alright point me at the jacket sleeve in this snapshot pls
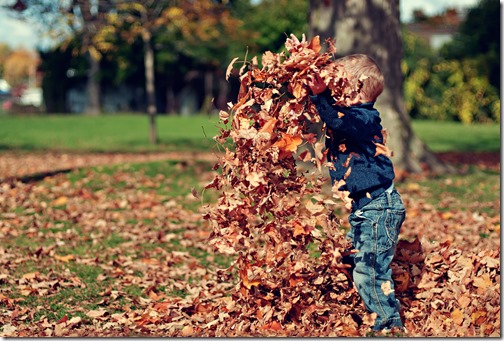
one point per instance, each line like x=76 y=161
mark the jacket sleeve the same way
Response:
x=352 y=123
x=327 y=112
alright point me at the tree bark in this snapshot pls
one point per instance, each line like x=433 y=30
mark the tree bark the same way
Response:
x=93 y=87
x=372 y=27
x=170 y=99
x=149 y=85
x=208 y=99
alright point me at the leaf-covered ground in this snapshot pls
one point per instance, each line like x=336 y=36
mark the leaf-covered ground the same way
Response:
x=122 y=251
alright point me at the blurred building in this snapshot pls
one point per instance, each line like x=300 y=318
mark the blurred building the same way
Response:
x=436 y=30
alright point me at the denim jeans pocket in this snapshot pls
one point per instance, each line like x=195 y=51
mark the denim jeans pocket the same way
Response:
x=389 y=235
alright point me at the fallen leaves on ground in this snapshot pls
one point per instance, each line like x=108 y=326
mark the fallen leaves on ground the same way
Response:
x=127 y=251
x=139 y=264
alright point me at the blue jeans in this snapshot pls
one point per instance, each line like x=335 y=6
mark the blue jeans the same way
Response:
x=374 y=232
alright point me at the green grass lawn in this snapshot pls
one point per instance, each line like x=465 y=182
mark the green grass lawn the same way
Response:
x=122 y=133
x=130 y=133
x=454 y=136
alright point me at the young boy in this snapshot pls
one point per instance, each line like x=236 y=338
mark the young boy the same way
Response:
x=360 y=167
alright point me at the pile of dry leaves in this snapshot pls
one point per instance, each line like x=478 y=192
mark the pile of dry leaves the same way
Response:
x=269 y=213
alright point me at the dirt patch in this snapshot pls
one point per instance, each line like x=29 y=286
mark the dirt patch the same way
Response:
x=482 y=159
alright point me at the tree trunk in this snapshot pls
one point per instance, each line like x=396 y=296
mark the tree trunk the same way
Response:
x=222 y=97
x=149 y=85
x=93 y=86
x=208 y=101
x=170 y=99
x=372 y=27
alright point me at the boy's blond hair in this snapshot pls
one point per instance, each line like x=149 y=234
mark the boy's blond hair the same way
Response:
x=364 y=68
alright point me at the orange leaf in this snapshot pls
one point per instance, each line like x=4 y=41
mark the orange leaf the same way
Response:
x=288 y=143
x=315 y=44
x=464 y=301
x=187 y=331
x=299 y=90
x=245 y=280
x=269 y=126
x=272 y=326
x=457 y=316
x=478 y=316
x=60 y=201
x=65 y=259
x=299 y=228
x=293 y=280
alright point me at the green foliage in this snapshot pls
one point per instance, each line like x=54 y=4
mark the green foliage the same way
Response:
x=446 y=89
x=478 y=38
x=5 y=51
x=274 y=20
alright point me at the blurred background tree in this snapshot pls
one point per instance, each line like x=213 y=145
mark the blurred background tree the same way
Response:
x=19 y=67
x=5 y=51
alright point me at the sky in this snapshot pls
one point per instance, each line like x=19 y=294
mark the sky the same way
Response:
x=19 y=34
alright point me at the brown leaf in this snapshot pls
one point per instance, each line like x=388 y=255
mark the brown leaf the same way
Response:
x=97 y=313
x=483 y=282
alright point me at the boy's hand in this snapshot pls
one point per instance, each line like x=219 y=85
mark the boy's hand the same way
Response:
x=316 y=84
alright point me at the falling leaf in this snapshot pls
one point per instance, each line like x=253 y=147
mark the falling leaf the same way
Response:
x=288 y=143
x=381 y=149
x=230 y=68
x=269 y=126
x=194 y=193
x=255 y=179
x=224 y=116
x=386 y=288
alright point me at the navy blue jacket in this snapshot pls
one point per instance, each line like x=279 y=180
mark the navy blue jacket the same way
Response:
x=350 y=134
